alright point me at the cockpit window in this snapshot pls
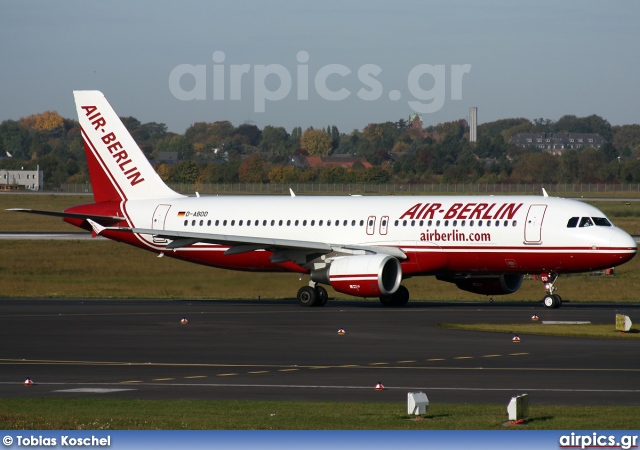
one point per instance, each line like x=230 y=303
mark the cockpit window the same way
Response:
x=573 y=222
x=586 y=222
x=601 y=221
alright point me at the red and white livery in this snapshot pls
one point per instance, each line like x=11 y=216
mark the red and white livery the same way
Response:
x=360 y=245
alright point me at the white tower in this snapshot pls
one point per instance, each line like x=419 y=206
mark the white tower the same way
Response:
x=473 y=124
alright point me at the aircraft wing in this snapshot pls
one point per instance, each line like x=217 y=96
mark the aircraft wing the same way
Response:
x=106 y=220
x=283 y=249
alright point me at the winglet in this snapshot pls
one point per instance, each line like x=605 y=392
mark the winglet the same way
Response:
x=292 y=194
x=544 y=193
x=97 y=228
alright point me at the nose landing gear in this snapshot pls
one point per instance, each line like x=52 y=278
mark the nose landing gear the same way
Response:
x=550 y=300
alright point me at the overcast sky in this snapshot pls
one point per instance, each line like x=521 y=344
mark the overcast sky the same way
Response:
x=310 y=63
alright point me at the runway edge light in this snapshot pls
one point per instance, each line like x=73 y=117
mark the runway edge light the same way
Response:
x=341 y=331
x=28 y=382
x=379 y=386
x=534 y=317
x=184 y=321
x=417 y=403
x=516 y=338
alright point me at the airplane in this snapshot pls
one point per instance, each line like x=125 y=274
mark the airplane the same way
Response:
x=363 y=246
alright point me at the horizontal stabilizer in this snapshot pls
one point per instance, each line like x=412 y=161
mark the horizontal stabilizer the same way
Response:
x=104 y=220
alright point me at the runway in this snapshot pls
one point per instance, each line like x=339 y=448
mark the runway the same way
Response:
x=277 y=350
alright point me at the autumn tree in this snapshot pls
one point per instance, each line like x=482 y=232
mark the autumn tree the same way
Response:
x=316 y=142
x=252 y=170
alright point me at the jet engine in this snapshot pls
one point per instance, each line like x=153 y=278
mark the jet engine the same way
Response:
x=362 y=276
x=506 y=283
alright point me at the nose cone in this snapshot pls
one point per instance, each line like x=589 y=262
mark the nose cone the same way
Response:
x=624 y=245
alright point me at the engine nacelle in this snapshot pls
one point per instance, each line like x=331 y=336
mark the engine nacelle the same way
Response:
x=362 y=276
x=506 y=283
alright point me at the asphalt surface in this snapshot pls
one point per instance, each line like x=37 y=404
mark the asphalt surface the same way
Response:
x=277 y=350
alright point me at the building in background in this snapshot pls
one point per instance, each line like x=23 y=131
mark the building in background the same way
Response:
x=555 y=143
x=20 y=180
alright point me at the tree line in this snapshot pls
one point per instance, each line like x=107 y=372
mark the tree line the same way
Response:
x=401 y=151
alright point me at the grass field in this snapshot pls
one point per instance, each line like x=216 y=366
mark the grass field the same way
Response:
x=112 y=414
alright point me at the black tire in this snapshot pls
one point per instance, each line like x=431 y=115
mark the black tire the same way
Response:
x=558 y=300
x=398 y=298
x=321 y=295
x=401 y=296
x=307 y=296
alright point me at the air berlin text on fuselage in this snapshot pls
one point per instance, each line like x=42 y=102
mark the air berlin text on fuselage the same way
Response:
x=114 y=146
x=463 y=211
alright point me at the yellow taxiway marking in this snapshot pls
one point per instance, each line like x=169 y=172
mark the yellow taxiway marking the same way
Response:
x=436 y=359
x=322 y=367
x=346 y=366
x=517 y=354
x=197 y=376
x=163 y=379
x=260 y=371
x=490 y=356
x=226 y=374
x=378 y=364
x=463 y=357
x=407 y=361
x=287 y=370
x=133 y=381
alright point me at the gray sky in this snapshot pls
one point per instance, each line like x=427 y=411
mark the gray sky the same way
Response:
x=510 y=59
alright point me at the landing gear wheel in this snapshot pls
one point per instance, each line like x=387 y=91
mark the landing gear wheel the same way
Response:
x=558 y=300
x=321 y=296
x=550 y=301
x=307 y=296
x=401 y=296
x=398 y=298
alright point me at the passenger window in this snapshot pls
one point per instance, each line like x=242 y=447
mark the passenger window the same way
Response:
x=471 y=223
x=264 y=223
x=257 y=223
x=233 y=222
x=186 y=222
x=328 y=223
x=353 y=223
x=208 y=223
x=313 y=222
x=344 y=223
x=217 y=222
x=201 y=222
x=280 y=222
x=515 y=222
x=395 y=223
x=296 y=223
x=429 y=223
x=304 y=223
x=446 y=223
x=320 y=223
x=455 y=223
x=479 y=223
x=437 y=223
x=585 y=222
x=288 y=222
x=422 y=223
x=404 y=223
x=273 y=222
x=362 y=223
x=224 y=223
x=573 y=222
x=337 y=223
x=463 y=223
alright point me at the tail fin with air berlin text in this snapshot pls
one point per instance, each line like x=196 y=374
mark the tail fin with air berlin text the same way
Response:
x=118 y=169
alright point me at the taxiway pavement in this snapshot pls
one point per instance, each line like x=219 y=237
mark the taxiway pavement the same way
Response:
x=277 y=350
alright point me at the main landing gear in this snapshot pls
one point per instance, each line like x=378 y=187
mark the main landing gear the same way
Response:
x=312 y=295
x=550 y=300
x=398 y=298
